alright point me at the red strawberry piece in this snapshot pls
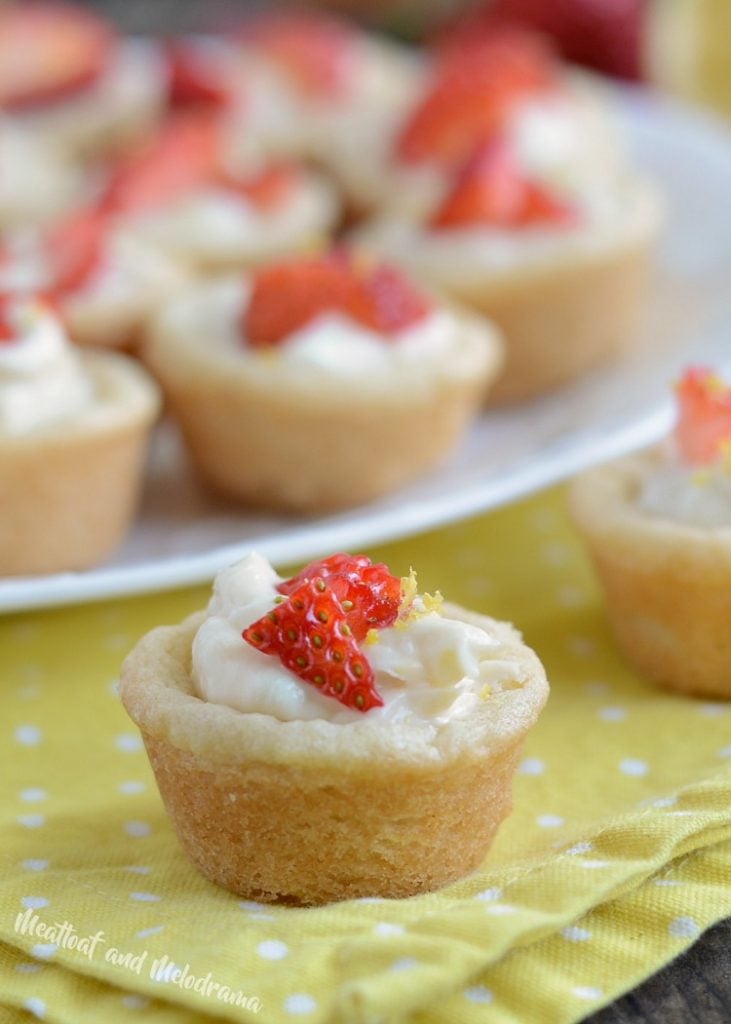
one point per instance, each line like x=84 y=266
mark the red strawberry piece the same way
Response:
x=369 y=595
x=316 y=52
x=49 y=52
x=396 y=303
x=476 y=88
x=607 y=35
x=490 y=189
x=7 y=331
x=266 y=190
x=311 y=637
x=195 y=77
x=74 y=248
x=183 y=156
x=288 y=296
x=704 y=416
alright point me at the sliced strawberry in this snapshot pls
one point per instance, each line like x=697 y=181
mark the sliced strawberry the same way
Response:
x=266 y=190
x=288 y=296
x=7 y=330
x=183 y=156
x=316 y=52
x=475 y=91
x=49 y=52
x=311 y=637
x=195 y=78
x=74 y=249
x=704 y=416
x=490 y=189
x=396 y=303
x=369 y=595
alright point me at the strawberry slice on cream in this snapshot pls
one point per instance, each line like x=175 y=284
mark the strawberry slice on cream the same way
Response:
x=703 y=428
x=50 y=52
x=491 y=189
x=287 y=296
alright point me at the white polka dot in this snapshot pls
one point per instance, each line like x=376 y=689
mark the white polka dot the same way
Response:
x=725 y=752
x=479 y=587
x=131 y=786
x=113 y=687
x=138 y=869
x=573 y=933
x=554 y=552
x=28 y=735
x=532 y=766
x=406 y=963
x=633 y=766
x=117 y=642
x=597 y=688
x=129 y=742
x=580 y=646
x=35 y=1006
x=272 y=949
x=712 y=710
x=33 y=795
x=549 y=820
x=44 y=950
x=299 y=1003
x=29 y=691
x=250 y=905
x=135 y=1002
x=683 y=928
x=145 y=933
x=489 y=894
x=34 y=902
x=478 y=994
x=570 y=596
x=28 y=968
x=35 y=864
x=666 y=881
x=144 y=897
x=499 y=909
x=587 y=992
x=612 y=714
x=386 y=928
x=259 y=916
x=137 y=829
x=577 y=848
x=664 y=801
x=31 y=820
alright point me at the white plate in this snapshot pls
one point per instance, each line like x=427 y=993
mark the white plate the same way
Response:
x=183 y=536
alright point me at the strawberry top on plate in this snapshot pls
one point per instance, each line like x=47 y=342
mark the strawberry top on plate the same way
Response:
x=703 y=428
x=318 y=623
x=287 y=296
x=315 y=52
x=473 y=93
x=50 y=52
x=490 y=189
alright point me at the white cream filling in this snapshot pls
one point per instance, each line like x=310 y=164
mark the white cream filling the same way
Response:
x=218 y=223
x=431 y=669
x=41 y=376
x=36 y=182
x=332 y=344
x=696 y=496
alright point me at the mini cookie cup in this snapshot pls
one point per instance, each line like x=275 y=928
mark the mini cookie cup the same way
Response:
x=279 y=435
x=70 y=488
x=309 y=812
x=667 y=585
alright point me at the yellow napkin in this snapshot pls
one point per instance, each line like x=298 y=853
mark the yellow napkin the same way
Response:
x=617 y=855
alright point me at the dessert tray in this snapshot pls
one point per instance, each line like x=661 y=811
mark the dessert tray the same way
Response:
x=183 y=536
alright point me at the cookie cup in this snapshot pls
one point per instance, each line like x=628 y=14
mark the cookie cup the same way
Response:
x=563 y=307
x=667 y=585
x=310 y=811
x=70 y=489
x=271 y=432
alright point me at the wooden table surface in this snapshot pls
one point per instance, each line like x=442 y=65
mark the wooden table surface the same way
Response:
x=695 y=988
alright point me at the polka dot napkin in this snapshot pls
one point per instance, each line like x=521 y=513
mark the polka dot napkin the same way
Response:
x=617 y=855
